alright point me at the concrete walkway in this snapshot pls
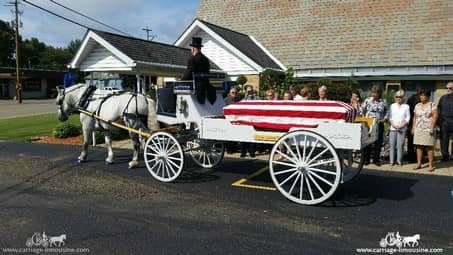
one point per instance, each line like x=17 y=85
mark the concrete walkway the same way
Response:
x=12 y=109
x=442 y=168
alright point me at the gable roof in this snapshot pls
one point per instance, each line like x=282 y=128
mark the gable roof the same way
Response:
x=246 y=47
x=245 y=44
x=159 y=57
x=147 y=51
x=338 y=34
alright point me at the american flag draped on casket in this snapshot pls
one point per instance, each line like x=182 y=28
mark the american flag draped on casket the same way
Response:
x=284 y=115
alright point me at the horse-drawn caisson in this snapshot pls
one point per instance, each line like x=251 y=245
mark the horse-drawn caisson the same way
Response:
x=316 y=145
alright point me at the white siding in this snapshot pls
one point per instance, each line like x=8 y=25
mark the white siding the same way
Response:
x=221 y=56
x=99 y=57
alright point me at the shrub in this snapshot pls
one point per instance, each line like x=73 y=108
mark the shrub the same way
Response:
x=65 y=130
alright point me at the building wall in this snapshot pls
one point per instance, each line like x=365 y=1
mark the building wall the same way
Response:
x=100 y=58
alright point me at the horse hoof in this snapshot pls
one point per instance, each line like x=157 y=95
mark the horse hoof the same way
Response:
x=108 y=162
x=80 y=161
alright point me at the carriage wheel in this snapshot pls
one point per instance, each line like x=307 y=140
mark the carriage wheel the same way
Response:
x=353 y=162
x=164 y=157
x=305 y=167
x=206 y=154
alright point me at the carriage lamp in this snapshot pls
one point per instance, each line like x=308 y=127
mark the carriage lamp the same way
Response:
x=182 y=106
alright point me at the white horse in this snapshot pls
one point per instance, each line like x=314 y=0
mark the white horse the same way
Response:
x=57 y=239
x=412 y=241
x=124 y=108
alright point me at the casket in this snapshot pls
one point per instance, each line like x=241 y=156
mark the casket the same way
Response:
x=284 y=115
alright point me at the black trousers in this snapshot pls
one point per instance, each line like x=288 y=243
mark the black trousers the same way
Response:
x=411 y=152
x=446 y=132
x=375 y=148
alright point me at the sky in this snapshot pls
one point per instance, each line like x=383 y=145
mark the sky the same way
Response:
x=167 y=18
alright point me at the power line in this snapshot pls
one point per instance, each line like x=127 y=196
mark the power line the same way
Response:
x=147 y=33
x=55 y=14
x=88 y=17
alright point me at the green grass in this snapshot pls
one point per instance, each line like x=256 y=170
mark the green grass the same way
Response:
x=24 y=128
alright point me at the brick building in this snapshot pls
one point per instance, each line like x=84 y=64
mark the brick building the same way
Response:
x=402 y=42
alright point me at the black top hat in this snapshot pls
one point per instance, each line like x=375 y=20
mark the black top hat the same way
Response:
x=196 y=42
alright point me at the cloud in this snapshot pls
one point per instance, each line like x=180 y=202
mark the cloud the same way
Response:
x=167 y=19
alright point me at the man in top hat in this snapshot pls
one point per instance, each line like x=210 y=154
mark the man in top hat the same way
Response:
x=199 y=63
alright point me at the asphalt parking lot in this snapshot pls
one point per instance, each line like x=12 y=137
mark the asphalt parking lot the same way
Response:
x=111 y=210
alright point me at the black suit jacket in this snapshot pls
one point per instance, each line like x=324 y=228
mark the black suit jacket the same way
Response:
x=200 y=64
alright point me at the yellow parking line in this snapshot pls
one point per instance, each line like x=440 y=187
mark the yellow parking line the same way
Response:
x=240 y=183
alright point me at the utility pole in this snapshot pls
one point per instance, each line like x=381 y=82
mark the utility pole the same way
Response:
x=147 y=33
x=18 y=84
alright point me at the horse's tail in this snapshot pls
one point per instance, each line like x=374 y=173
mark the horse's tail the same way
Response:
x=152 y=124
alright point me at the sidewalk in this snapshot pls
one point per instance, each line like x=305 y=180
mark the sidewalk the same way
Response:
x=11 y=109
x=442 y=168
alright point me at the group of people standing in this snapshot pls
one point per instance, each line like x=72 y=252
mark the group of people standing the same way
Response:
x=416 y=120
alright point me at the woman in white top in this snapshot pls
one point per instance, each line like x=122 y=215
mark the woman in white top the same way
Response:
x=399 y=117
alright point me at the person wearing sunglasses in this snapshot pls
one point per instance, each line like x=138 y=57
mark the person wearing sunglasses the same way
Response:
x=445 y=108
x=232 y=96
x=399 y=117
x=425 y=118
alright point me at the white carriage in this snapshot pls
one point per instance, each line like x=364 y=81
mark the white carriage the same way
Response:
x=306 y=165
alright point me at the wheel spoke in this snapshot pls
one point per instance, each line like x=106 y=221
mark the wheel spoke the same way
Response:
x=309 y=188
x=323 y=163
x=311 y=151
x=158 y=168
x=207 y=157
x=173 y=153
x=301 y=193
x=157 y=146
x=285 y=171
x=153 y=148
x=317 y=156
x=284 y=163
x=287 y=179
x=151 y=160
x=152 y=154
x=321 y=171
x=294 y=183
x=173 y=163
x=166 y=170
x=321 y=178
x=316 y=184
x=171 y=168
x=179 y=159
x=305 y=148
x=285 y=156
x=154 y=166
x=297 y=149
x=289 y=149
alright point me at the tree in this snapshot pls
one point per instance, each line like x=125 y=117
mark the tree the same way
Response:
x=6 y=44
x=74 y=46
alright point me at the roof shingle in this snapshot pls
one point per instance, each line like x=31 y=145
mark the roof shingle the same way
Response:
x=348 y=33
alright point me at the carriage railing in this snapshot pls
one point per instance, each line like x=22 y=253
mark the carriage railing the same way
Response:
x=188 y=86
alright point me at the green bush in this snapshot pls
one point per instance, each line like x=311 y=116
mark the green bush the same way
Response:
x=116 y=134
x=66 y=129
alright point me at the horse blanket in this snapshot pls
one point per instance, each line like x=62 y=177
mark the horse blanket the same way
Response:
x=284 y=115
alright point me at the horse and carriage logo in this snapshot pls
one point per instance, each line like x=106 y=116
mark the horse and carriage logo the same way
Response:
x=394 y=239
x=41 y=239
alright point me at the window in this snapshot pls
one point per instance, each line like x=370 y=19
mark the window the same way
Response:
x=32 y=85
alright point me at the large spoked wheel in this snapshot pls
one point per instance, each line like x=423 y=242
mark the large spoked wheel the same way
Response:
x=353 y=162
x=207 y=154
x=305 y=167
x=164 y=156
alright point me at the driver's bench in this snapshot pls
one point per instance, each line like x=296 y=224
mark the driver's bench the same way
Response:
x=186 y=109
